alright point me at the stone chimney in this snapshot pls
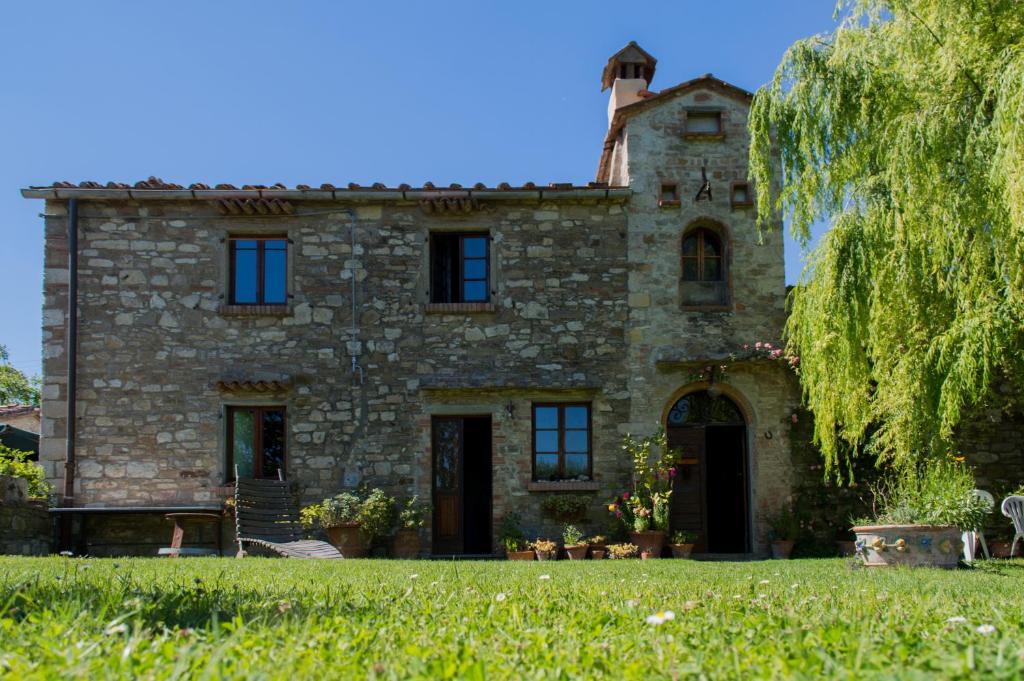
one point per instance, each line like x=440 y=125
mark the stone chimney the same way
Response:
x=628 y=72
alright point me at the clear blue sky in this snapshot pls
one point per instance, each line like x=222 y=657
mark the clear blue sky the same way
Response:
x=313 y=92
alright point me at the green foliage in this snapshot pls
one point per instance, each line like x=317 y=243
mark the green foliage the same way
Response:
x=934 y=492
x=15 y=387
x=16 y=463
x=618 y=551
x=783 y=523
x=565 y=506
x=572 y=536
x=413 y=514
x=903 y=128
x=511 y=534
x=341 y=509
x=653 y=472
x=269 y=618
x=544 y=546
x=683 y=537
x=376 y=514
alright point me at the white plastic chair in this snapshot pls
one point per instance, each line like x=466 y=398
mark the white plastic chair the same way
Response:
x=1013 y=508
x=974 y=535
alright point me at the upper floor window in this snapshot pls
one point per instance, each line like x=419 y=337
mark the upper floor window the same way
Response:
x=561 y=441
x=259 y=270
x=702 y=256
x=706 y=123
x=459 y=268
x=256 y=442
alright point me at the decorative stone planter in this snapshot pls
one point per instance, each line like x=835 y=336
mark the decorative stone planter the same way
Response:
x=406 y=544
x=681 y=550
x=910 y=545
x=520 y=555
x=576 y=552
x=781 y=548
x=651 y=540
x=348 y=539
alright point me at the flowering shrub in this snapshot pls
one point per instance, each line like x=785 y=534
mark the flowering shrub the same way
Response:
x=749 y=351
x=544 y=546
x=648 y=504
x=413 y=515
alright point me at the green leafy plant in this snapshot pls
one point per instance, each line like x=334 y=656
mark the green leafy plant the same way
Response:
x=597 y=540
x=572 y=536
x=622 y=550
x=341 y=509
x=783 y=523
x=647 y=504
x=565 y=507
x=933 y=492
x=16 y=463
x=376 y=514
x=15 y=387
x=511 y=534
x=683 y=537
x=413 y=514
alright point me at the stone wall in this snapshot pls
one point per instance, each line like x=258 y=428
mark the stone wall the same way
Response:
x=25 y=525
x=670 y=338
x=155 y=338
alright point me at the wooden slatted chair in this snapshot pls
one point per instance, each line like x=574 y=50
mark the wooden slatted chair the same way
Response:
x=265 y=515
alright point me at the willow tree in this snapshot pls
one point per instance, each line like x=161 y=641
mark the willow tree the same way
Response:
x=904 y=130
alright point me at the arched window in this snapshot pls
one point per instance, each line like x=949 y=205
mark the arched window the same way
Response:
x=702 y=256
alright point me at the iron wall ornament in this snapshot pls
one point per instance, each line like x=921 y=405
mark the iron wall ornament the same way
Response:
x=705 y=187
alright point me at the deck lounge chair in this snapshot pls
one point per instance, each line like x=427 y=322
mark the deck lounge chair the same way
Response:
x=1013 y=508
x=265 y=515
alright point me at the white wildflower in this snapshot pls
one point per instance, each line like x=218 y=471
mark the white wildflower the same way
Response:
x=413 y=576
x=985 y=629
x=544 y=577
x=660 y=617
x=956 y=619
x=500 y=597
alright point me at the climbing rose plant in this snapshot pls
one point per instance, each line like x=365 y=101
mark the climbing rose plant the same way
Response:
x=903 y=129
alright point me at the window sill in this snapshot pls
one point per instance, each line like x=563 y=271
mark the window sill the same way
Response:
x=665 y=203
x=704 y=136
x=741 y=205
x=563 y=486
x=255 y=310
x=706 y=308
x=460 y=308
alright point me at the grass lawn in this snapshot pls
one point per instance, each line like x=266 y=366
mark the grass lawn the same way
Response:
x=278 y=618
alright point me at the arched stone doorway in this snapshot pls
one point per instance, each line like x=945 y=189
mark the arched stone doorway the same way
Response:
x=711 y=493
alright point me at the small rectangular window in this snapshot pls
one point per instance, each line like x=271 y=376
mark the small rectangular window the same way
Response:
x=459 y=268
x=561 y=441
x=703 y=122
x=669 y=193
x=255 y=442
x=258 y=270
x=741 y=195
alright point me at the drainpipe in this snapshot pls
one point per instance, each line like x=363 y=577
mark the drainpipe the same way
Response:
x=353 y=339
x=72 y=350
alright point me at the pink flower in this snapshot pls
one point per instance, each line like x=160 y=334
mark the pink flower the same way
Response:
x=618 y=514
x=672 y=472
x=746 y=346
x=757 y=345
x=625 y=495
x=794 y=418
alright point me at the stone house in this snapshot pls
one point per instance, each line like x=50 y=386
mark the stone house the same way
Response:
x=483 y=348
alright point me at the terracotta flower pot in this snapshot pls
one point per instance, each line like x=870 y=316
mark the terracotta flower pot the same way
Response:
x=598 y=553
x=576 y=551
x=651 y=540
x=646 y=554
x=846 y=547
x=348 y=539
x=520 y=555
x=681 y=550
x=911 y=545
x=781 y=548
x=405 y=544
x=545 y=555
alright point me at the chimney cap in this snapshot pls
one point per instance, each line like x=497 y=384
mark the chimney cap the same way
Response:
x=630 y=54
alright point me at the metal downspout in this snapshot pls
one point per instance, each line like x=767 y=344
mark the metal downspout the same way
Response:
x=72 y=350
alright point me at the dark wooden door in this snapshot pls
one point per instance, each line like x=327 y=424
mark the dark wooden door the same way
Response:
x=687 y=512
x=447 y=482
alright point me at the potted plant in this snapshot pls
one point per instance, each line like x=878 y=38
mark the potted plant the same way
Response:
x=339 y=518
x=920 y=512
x=645 y=509
x=597 y=547
x=376 y=515
x=566 y=508
x=783 y=527
x=681 y=543
x=412 y=517
x=575 y=547
x=620 y=551
x=545 y=549
x=512 y=539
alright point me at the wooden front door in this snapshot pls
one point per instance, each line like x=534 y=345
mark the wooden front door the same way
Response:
x=462 y=485
x=710 y=493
